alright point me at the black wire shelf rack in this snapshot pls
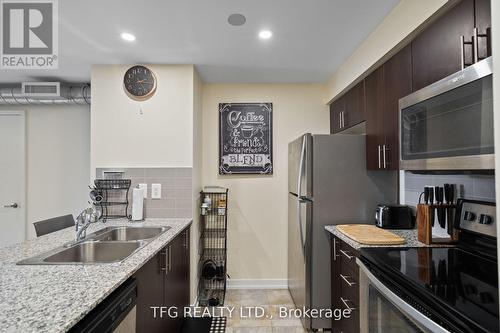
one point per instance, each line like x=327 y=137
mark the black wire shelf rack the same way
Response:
x=212 y=267
x=115 y=203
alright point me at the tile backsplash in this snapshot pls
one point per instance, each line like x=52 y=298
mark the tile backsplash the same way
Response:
x=176 y=189
x=479 y=187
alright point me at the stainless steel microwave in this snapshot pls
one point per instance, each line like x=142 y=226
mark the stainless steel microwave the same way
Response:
x=448 y=125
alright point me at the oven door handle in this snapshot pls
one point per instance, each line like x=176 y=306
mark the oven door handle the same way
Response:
x=404 y=307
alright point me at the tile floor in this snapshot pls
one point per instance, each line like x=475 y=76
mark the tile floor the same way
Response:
x=270 y=301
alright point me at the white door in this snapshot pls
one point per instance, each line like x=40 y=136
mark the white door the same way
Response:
x=12 y=177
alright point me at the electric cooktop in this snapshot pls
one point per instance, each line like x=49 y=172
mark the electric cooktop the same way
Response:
x=455 y=286
x=464 y=282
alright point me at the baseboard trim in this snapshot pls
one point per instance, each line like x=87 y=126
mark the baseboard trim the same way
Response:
x=257 y=284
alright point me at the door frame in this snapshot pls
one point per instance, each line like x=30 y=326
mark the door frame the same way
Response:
x=23 y=195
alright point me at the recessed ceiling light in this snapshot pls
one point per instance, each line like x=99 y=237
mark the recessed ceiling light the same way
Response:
x=236 y=19
x=265 y=34
x=127 y=36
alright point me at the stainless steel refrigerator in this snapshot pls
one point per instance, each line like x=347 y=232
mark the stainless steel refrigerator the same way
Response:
x=327 y=184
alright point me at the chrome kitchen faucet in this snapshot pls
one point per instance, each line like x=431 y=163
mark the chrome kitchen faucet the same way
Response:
x=85 y=218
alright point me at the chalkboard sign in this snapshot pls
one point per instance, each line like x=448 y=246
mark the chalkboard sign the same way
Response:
x=245 y=138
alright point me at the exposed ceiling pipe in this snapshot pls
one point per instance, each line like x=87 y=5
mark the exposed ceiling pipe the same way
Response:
x=70 y=95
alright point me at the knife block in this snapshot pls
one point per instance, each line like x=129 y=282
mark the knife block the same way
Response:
x=425 y=215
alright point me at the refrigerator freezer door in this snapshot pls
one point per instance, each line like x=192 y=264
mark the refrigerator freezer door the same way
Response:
x=299 y=166
x=294 y=155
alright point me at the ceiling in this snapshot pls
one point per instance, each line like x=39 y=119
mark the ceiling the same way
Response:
x=311 y=38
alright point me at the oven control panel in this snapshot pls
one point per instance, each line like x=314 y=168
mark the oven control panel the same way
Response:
x=478 y=216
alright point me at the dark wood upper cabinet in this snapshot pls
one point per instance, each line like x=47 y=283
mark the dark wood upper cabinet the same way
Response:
x=337 y=110
x=355 y=105
x=374 y=99
x=397 y=83
x=483 y=25
x=384 y=87
x=434 y=54
x=349 y=109
x=437 y=50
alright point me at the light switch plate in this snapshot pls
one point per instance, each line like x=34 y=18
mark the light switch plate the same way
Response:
x=155 y=191
x=144 y=188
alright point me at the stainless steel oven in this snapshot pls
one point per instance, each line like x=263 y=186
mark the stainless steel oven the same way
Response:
x=431 y=289
x=448 y=125
x=384 y=311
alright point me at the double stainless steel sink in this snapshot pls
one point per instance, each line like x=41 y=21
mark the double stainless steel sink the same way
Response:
x=108 y=245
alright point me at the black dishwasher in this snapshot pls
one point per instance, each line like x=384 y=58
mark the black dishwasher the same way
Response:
x=110 y=313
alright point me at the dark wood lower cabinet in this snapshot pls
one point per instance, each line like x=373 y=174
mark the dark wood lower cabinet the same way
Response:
x=149 y=293
x=176 y=290
x=345 y=285
x=164 y=282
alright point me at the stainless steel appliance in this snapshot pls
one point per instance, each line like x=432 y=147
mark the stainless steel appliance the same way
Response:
x=448 y=125
x=116 y=314
x=394 y=217
x=435 y=289
x=328 y=184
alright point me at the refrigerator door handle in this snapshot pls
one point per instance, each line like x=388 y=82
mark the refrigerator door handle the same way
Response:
x=301 y=167
x=299 y=214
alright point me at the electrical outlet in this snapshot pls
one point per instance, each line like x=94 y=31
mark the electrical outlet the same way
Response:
x=144 y=188
x=155 y=191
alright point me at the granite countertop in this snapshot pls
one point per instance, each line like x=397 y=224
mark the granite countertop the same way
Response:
x=53 y=298
x=411 y=236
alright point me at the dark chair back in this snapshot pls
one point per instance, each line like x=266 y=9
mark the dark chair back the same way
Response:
x=54 y=224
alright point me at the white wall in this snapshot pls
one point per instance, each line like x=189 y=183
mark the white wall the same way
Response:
x=257 y=211
x=400 y=26
x=58 y=159
x=164 y=131
x=161 y=136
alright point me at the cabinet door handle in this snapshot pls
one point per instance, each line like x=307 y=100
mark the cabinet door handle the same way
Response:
x=475 y=47
x=379 y=159
x=335 y=255
x=166 y=263
x=340 y=119
x=343 y=119
x=346 y=254
x=169 y=258
x=186 y=239
x=347 y=305
x=384 y=149
x=344 y=277
x=462 y=51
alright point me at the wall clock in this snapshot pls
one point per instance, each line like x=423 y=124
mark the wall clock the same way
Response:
x=139 y=83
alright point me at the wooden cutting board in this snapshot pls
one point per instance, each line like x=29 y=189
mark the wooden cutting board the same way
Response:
x=370 y=234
